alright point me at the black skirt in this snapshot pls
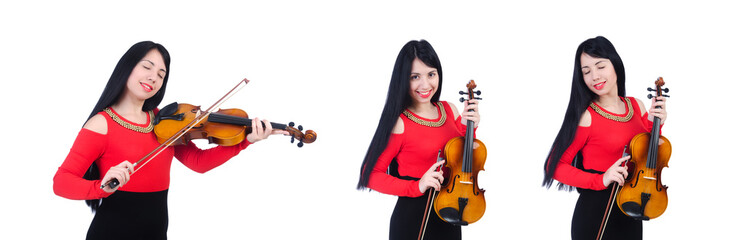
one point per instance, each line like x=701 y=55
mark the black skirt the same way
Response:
x=589 y=211
x=408 y=216
x=131 y=215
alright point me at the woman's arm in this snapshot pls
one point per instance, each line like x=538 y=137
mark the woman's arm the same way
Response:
x=68 y=181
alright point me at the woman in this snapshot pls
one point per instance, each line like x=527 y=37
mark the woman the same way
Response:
x=119 y=130
x=413 y=127
x=587 y=152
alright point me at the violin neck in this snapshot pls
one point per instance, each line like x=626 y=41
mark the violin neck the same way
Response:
x=468 y=148
x=653 y=145
x=227 y=119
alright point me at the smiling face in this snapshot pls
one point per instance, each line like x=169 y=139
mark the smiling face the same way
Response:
x=423 y=82
x=147 y=76
x=599 y=75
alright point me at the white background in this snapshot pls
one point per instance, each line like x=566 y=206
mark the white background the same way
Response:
x=327 y=65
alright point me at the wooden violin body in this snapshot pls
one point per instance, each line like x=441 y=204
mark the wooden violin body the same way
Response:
x=643 y=196
x=645 y=181
x=460 y=200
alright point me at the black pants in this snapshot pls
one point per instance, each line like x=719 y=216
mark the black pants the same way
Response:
x=131 y=215
x=589 y=211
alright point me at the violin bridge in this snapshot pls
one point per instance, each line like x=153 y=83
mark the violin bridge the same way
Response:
x=466 y=182
x=649 y=178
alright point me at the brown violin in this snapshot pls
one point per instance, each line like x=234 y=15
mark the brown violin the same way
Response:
x=460 y=200
x=226 y=127
x=643 y=196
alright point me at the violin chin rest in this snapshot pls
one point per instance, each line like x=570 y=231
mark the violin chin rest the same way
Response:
x=634 y=210
x=451 y=215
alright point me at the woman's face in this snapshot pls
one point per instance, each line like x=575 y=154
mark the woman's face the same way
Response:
x=147 y=76
x=599 y=75
x=423 y=82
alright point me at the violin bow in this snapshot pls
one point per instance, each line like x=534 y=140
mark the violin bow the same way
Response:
x=428 y=205
x=609 y=208
x=114 y=182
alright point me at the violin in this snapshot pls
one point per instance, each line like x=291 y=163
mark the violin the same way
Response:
x=643 y=196
x=226 y=127
x=461 y=201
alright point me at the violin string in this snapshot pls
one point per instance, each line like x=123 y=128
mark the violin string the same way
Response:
x=187 y=128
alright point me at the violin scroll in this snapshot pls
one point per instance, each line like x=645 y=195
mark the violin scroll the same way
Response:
x=659 y=91
x=471 y=85
x=304 y=137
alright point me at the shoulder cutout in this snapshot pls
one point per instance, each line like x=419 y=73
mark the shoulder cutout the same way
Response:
x=640 y=104
x=97 y=124
x=399 y=127
x=586 y=119
x=454 y=110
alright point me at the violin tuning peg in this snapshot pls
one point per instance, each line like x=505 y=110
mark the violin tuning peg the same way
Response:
x=462 y=93
x=300 y=128
x=651 y=90
x=462 y=100
x=650 y=96
x=291 y=124
x=300 y=144
x=478 y=98
x=477 y=92
x=664 y=95
x=665 y=90
x=292 y=138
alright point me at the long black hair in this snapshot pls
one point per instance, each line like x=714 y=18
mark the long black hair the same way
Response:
x=580 y=99
x=116 y=86
x=397 y=100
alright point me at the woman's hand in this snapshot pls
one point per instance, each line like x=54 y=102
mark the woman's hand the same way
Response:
x=473 y=116
x=121 y=172
x=616 y=173
x=258 y=132
x=431 y=178
x=658 y=112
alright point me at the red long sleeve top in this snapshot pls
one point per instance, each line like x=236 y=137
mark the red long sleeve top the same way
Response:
x=415 y=151
x=121 y=144
x=601 y=144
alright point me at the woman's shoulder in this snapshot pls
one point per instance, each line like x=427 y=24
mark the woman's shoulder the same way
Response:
x=639 y=103
x=452 y=107
x=585 y=119
x=399 y=127
x=97 y=124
